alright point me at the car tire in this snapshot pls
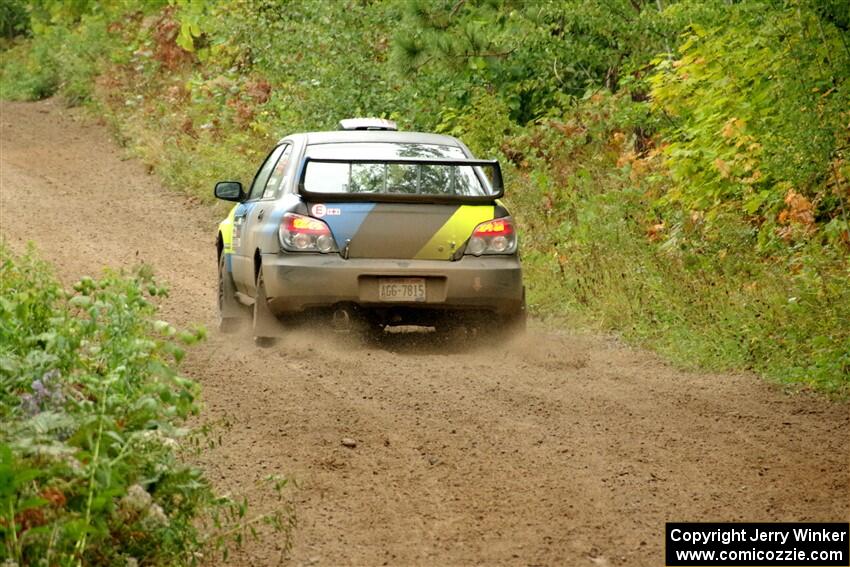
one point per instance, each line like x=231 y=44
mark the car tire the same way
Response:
x=372 y=334
x=266 y=325
x=452 y=332
x=517 y=324
x=501 y=329
x=231 y=314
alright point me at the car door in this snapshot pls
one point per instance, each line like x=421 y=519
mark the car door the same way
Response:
x=245 y=223
x=263 y=220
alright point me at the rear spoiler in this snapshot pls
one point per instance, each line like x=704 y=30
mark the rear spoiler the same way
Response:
x=497 y=183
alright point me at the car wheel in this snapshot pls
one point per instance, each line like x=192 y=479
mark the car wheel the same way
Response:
x=500 y=329
x=517 y=324
x=266 y=325
x=372 y=334
x=230 y=311
x=452 y=331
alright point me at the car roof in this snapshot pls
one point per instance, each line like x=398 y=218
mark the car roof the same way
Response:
x=354 y=136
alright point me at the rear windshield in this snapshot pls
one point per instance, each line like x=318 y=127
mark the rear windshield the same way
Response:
x=394 y=178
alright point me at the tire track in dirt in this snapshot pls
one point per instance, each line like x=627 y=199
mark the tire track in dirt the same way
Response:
x=558 y=450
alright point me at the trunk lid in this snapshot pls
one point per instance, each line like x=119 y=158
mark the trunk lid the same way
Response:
x=425 y=231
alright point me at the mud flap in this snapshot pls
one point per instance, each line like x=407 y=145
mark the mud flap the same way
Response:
x=230 y=311
x=519 y=322
x=266 y=325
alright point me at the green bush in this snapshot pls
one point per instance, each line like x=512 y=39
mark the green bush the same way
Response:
x=28 y=72
x=760 y=122
x=594 y=254
x=14 y=19
x=93 y=426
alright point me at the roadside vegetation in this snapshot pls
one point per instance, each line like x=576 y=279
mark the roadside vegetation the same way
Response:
x=680 y=168
x=94 y=439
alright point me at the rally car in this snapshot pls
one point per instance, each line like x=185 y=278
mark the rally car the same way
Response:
x=370 y=226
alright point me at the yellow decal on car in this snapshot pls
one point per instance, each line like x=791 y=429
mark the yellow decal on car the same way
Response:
x=225 y=227
x=455 y=232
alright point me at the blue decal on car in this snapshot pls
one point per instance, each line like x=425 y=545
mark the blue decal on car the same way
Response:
x=346 y=224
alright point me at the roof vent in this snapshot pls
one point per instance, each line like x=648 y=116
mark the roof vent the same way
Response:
x=367 y=124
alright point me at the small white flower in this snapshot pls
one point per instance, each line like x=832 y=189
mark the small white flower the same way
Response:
x=72 y=463
x=156 y=516
x=137 y=499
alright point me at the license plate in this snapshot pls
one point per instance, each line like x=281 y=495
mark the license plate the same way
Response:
x=401 y=289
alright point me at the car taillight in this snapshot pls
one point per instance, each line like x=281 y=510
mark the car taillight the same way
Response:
x=305 y=234
x=495 y=236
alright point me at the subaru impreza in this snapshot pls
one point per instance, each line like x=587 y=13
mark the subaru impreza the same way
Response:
x=370 y=226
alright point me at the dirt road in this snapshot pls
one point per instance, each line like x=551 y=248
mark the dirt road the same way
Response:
x=558 y=450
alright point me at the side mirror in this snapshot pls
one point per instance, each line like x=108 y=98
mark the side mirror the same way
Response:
x=229 y=191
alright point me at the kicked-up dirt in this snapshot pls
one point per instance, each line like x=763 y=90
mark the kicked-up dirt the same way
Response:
x=557 y=449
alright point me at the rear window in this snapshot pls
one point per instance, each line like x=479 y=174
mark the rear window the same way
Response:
x=394 y=178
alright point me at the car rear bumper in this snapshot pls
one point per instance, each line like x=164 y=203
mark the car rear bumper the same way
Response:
x=296 y=282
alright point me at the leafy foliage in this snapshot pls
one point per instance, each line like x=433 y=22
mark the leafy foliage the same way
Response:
x=760 y=121
x=93 y=411
x=700 y=296
x=14 y=19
